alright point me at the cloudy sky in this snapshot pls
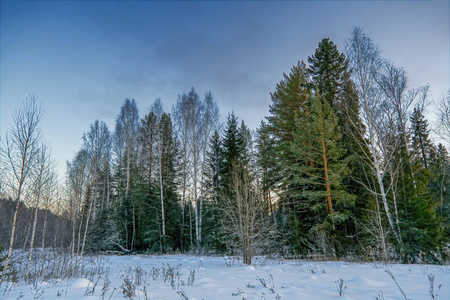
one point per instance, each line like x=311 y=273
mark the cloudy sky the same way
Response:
x=82 y=59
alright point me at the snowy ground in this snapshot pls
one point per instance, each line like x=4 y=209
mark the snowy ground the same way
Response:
x=190 y=277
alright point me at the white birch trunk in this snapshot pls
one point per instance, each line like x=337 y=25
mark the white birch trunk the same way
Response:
x=24 y=139
x=44 y=229
x=33 y=234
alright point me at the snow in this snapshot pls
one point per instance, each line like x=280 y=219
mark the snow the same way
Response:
x=228 y=278
x=81 y=283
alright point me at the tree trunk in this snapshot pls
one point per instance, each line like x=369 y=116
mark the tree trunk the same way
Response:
x=327 y=181
x=44 y=229
x=383 y=194
x=16 y=211
x=33 y=234
x=86 y=229
x=163 y=219
x=107 y=187
x=380 y=225
x=80 y=226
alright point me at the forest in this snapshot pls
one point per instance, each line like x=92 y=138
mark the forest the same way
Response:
x=344 y=167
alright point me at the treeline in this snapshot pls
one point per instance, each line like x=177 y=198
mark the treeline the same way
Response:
x=343 y=167
x=51 y=227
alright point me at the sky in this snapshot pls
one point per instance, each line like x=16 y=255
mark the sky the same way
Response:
x=82 y=59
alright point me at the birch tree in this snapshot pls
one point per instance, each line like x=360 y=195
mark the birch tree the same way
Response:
x=50 y=200
x=365 y=61
x=42 y=183
x=244 y=221
x=443 y=114
x=181 y=121
x=126 y=155
x=443 y=130
x=210 y=120
x=96 y=143
x=166 y=158
x=76 y=181
x=195 y=122
x=21 y=145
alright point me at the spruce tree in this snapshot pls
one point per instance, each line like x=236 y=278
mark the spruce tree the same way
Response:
x=418 y=219
x=328 y=68
x=289 y=100
x=331 y=79
x=440 y=186
x=245 y=144
x=214 y=234
x=232 y=149
x=213 y=167
x=168 y=207
x=266 y=162
x=290 y=97
x=421 y=144
x=146 y=181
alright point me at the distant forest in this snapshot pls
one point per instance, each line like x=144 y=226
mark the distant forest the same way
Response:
x=343 y=167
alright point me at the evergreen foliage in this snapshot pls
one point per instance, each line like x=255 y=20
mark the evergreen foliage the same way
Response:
x=331 y=78
x=323 y=203
x=343 y=166
x=266 y=163
x=212 y=176
x=314 y=114
x=328 y=68
x=308 y=177
x=233 y=146
x=421 y=144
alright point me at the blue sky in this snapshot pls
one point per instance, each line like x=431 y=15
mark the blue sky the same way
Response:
x=83 y=58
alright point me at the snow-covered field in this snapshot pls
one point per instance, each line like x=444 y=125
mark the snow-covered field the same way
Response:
x=190 y=277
